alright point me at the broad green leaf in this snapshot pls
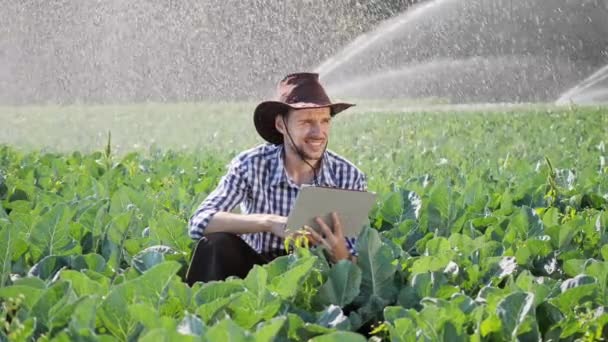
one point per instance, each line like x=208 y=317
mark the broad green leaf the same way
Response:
x=256 y=280
x=149 y=318
x=523 y=255
x=34 y=282
x=574 y=267
x=400 y=206
x=227 y=330
x=437 y=319
x=372 y=309
x=100 y=278
x=437 y=246
x=548 y=316
x=50 y=265
x=377 y=268
x=551 y=217
x=88 y=214
x=28 y=294
x=55 y=306
x=179 y=299
x=268 y=331
x=51 y=234
x=82 y=284
x=499 y=268
x=452 y=332
x=440 y=213
x=408 y=297
x=249 y=308
x=166 y=335
x=288 y=284
x=540 y=287
x=111 y=253
x=209 y=309
x=432 y=284
x=119 y=227
x=573 y=296
x=148 y=288
x=491 y=296
x=342 y=286
x=92 y=261
x=62 y=314
x=513 y=310
x=579 y=280
x=403 y=330
x=218 y=289
x=539 y=248
x=599 y=270
x=163 y=231
x=604 y=252
x=333 y=317
x=339 y=336
x=297 y=329
x=120 y=201
x=279 y=265
x=566 y=233
x=462 y=243
x=83 y=318
x=525 y=223
x=490 y=325
x=151 y=256
x=151 y=284
x=19 y=210
x=8 y=236
x=392 y=313
x=430 y=263
x=191 y=325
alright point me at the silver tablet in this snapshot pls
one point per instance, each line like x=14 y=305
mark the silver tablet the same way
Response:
x=352 y=206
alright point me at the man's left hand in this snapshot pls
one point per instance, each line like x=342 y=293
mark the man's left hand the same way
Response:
x=333 y=241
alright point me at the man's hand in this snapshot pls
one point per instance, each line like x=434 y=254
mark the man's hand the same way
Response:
x=334 y=241
x=275 y=224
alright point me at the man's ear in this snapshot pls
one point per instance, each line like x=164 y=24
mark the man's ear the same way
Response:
x=279 y=124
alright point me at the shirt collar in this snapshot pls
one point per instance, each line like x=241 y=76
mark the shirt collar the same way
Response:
x=279 y=174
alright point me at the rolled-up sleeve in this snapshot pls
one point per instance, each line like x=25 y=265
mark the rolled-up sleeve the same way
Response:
x=360 y=182
x=228 y=194
x=350 y=245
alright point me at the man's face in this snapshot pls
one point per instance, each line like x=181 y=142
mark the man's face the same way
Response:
x=309 y=129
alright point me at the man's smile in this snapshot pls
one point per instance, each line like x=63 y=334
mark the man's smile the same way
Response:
x=315 y=143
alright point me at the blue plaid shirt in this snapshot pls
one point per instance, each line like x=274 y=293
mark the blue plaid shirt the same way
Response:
x=258 y=181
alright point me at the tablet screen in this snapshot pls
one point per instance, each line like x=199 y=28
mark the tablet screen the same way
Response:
x=352 y=206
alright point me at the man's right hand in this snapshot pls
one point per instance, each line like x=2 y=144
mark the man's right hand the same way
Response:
x=275 y=224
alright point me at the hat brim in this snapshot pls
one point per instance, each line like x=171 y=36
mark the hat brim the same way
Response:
x=266 y=112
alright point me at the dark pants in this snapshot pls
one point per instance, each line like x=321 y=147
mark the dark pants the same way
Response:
x=220 y=255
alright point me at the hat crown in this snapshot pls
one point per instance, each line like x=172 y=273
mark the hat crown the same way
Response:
x=302 y=88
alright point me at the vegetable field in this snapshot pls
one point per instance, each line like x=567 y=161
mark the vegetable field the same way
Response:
x=490 y=226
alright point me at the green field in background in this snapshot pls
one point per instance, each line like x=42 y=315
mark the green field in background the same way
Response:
x=490 y=224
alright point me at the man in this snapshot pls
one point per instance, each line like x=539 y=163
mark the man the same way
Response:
x=266 y=180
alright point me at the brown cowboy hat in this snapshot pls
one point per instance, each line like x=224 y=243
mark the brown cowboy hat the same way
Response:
x=295 y=91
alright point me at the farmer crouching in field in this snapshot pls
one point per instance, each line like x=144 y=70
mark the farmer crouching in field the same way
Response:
x=265 y=182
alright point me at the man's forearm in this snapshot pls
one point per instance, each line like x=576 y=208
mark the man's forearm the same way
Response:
x=236 y=223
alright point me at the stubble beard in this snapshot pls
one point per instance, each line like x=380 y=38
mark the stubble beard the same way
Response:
x=308 y=156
